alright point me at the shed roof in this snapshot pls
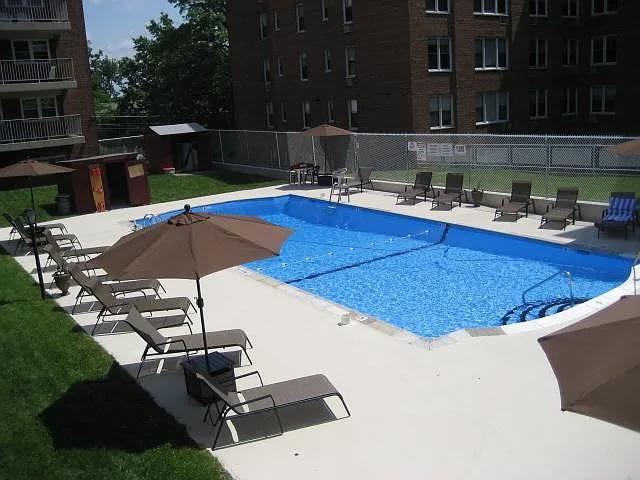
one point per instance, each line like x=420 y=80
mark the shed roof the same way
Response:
x=177 y=129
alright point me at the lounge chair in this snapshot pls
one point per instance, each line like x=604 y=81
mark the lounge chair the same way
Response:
x=518 y=202
x=421 y=186
x=62 y=229
x=452 y=191
x=265 y=397
x=62 y=256
x=620 y=214
x=363 y=178
x=67 y=240
x=186 y=344
x=564 y=209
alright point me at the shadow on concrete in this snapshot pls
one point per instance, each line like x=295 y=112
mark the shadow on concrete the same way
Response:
x=297 y=186
x=111 y=326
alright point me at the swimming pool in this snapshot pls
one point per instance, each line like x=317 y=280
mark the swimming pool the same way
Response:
x=427 y=277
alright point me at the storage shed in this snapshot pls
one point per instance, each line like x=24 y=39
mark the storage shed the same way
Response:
x=184 y=147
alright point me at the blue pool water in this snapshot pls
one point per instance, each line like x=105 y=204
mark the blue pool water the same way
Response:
x=419 y=275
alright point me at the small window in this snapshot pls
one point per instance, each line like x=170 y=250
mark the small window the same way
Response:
x=604 y=50
x=538 y=53
x=491 y=54
x=30 y=50
x=570 y=102
x=570 y=52
x=347 y=11
x=537 y=104
x=439 y=55
x=263 y=29
x=42 y=107
x=353 y=114
x=328 y=64
x=350 y=58
x=331 y=114
x=269 y=112
x=276 y=21
x=325 y=11
x=492 y=107
x=570 y=8
x=306 y=114
x=300 y=17
x=266 y=71
x=440 y=112
x=437 y=6
x=604 y=7
x=537 y=8
x=283 y=111
x=304 y=67
x=603 y=100
x=490 y=7
x=40 y=49
x=280 y=67
x=30 y=108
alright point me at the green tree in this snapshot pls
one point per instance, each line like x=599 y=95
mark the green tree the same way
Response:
x=105 y=81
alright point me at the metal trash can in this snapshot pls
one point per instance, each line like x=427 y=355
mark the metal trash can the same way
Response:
x=63 y=204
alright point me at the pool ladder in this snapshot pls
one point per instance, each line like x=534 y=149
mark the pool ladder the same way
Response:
x=635 y=263
x=566 y=274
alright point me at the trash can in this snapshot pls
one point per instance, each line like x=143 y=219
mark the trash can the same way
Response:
x=63 y=204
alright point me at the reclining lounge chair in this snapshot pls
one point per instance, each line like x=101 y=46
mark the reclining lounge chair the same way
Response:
x=68 y=240
x=421 y=186
x=564 y=209
x=518 y=202
x=452 y=191
x=620 y=214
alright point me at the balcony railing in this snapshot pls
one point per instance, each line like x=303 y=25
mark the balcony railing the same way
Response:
x=36 y=71
x=34 y=129
x=30 y=11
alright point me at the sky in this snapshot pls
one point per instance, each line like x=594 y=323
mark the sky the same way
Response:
x=111 y=24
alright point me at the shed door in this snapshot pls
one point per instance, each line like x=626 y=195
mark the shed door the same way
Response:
x=138 y=182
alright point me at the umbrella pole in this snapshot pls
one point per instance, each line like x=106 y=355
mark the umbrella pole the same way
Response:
x=200 y=303
x=36 y=253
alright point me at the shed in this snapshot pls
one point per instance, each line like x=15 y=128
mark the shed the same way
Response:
x=184 y=147
x=105 y=182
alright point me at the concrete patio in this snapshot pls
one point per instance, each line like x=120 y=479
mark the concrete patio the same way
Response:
x=484 y=407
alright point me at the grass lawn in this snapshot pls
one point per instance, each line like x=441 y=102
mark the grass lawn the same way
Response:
x=164 y=188
x=69 y=411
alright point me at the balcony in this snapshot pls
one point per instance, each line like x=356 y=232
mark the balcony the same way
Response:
x=27 y=16
x=17 y=76
x=28 y=133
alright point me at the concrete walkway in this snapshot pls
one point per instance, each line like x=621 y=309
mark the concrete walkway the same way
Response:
x=482 y=408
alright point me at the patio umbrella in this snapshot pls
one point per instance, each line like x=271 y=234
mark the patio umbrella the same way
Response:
x=597 y=363
x=628 y=148
x=324 y=131
x=190 y=246
x=30 y=169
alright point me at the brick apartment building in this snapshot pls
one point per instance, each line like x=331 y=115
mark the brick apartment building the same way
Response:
x=465 y=66
x=46 y=103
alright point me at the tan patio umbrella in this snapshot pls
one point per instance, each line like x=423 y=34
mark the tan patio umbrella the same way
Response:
x=628 y=148
x=190 y=246
x=325 y=130
x=30 y=169
x=597 y=363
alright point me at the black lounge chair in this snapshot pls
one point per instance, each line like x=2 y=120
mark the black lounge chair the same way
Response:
x=564 y=209
x=62 y=229
x=620 y=214
x=342 y=184
x=43 y=236
x=452 y=191
x=518 y=202
x=184 y=344
x=421 y=186
x=363 y=178
x=265 y=398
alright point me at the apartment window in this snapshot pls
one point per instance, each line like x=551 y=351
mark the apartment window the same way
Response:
x=40 y=107
x=439 y=54
x=304 y=67
x=306 y=114
x=300 y=17
x=328 y=63
x=280 y=67
x=262 y=26
x=570 y=52
x=538 y=53
x=570 y=8
x=537 y=8
x=353 y=114
x=276 y=20
x=283 y=112
x=604 y=7
x=603 y=100
x=31 y=50
x=266 y=71
x=604 y=50
x=347 y=11
x=440 y=112
x=490 y=7
x=492 y=107
x=325 y=10
x=331 y=113
x=570 y=101
x=350 y=58
x=269 y=112
x=537 y=104
x=437 y=6
x=491 y=54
